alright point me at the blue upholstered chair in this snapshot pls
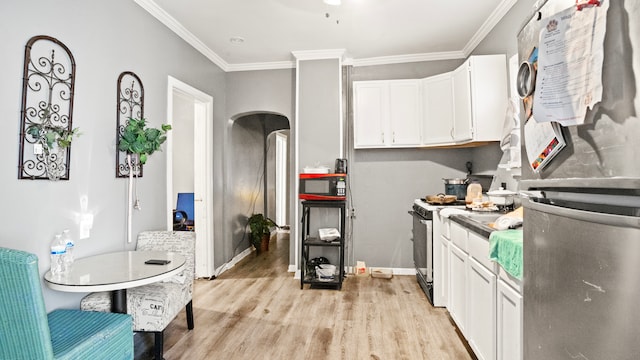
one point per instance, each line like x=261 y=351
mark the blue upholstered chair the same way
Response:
x=155 y=305
x=28 y=332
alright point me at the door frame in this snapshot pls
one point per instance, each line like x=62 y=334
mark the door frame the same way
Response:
x=281 y=178
x=203 y=170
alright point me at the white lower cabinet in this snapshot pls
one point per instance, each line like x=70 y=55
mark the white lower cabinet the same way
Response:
x=443 y=275
x=458 y=286
x=440 y=260
x=484 y=302
x=481 y=310
x=509 y=323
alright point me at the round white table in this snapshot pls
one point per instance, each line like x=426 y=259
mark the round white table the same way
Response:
x=116 y=272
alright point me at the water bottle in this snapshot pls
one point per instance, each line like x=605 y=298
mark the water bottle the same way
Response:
x=70 y=244
x=58 y=252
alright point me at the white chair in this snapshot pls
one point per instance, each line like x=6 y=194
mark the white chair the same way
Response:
x=155 y=305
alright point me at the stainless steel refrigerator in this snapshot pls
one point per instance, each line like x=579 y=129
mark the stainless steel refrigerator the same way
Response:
x=582 y=221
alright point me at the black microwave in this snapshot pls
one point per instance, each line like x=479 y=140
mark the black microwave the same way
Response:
x=323 y=186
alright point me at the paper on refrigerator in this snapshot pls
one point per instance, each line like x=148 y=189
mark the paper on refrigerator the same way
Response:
x=569 y=74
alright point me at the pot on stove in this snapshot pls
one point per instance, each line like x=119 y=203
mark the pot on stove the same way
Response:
x=457 y=187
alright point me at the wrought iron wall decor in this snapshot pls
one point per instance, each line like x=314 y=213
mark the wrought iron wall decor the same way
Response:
x=47 y=108
x=130 y=105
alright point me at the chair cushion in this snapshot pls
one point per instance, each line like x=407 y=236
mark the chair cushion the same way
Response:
x=152 y=306
x=89 y=335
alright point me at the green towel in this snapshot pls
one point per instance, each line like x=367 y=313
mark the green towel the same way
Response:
x=506 y=250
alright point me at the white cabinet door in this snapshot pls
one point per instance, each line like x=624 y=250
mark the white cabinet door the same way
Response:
x=457 y=286
x=405 y=113
x=438 y=266
x=387 y=113
x=481 y=310
x=489 y=97
x=509 y=324
x=480 y=98
x=443 y=275
x=437 y=110
x=462 y=117
x=370 y=113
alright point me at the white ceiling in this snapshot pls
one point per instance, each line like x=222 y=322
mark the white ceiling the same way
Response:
x=370 y=31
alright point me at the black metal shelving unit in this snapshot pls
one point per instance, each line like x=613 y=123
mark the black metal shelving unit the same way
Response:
x=308 y=276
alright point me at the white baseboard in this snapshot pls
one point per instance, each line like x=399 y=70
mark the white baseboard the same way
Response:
x=231 y=263
x=403 y=271
x=351 y=270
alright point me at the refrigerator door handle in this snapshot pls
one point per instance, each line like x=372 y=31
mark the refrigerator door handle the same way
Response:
x=531 y=194
x=596 y=217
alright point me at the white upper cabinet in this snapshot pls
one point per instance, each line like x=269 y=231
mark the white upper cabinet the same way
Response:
x=462 y=113
x=480 y=98
x=405 y=113
x=370 y=113
x=437 y=110
x=459 y=107
x=387 y=113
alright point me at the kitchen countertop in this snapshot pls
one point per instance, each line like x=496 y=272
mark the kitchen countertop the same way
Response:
x=478 y=227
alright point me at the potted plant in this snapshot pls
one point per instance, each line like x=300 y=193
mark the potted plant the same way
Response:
x=136 y=139
x=260 y=226
x=52 y=141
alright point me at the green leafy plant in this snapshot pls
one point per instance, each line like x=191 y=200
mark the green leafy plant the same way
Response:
x=137 y=139
x=48 y=134
x=260 y=226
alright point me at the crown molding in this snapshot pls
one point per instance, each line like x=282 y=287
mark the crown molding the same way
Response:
x=385 y=60
x=169 y=21
x=274 y=65
x=493 y=19
x=319 y=54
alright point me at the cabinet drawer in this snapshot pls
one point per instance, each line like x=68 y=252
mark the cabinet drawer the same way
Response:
x=508 y=279
x=478 y=248
x=459 y=235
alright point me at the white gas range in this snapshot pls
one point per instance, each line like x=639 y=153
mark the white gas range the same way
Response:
x=423 y=241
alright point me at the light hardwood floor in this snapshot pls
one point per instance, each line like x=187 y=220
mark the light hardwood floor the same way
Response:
x=256 y=310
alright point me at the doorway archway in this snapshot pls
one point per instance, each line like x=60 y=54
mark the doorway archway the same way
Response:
x=252 y=161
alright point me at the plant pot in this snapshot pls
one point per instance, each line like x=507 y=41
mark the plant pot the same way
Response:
x=264 y=242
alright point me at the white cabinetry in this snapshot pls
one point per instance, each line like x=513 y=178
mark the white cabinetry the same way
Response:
x=480 y=98
x=387 y=113
x=484 y=300
x=437 y=109
x=481 y=310
x=440 y=260
x=462 y=106
x=509 y=323
x=458 y=286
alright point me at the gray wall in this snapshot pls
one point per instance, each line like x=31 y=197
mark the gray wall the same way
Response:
x=319 y=112
x=106 y=38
